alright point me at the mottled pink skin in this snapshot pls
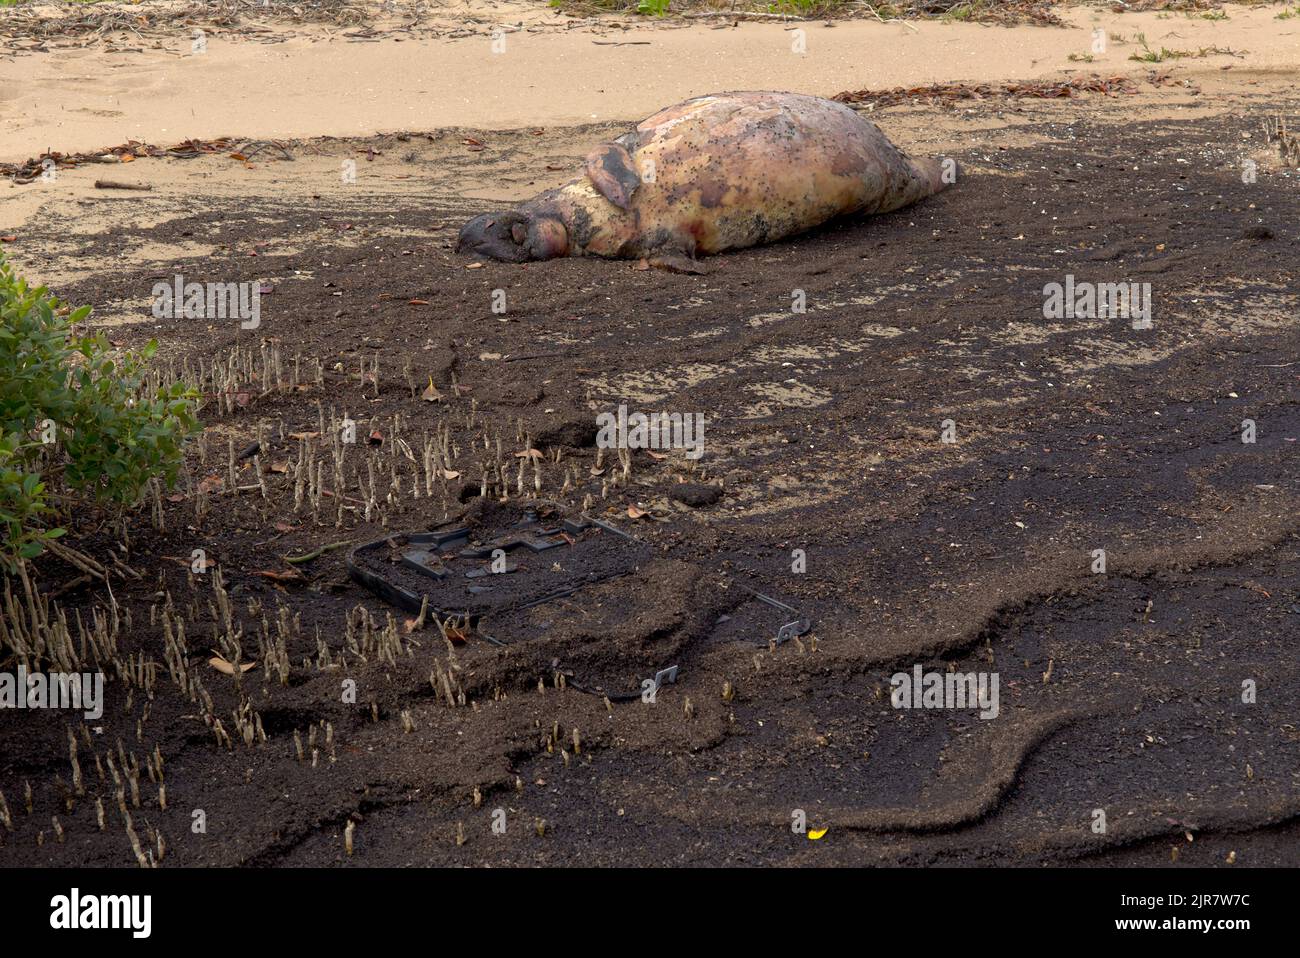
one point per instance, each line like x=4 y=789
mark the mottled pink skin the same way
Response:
x=729 y=171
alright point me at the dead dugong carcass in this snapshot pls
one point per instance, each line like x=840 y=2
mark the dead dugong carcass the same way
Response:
x=711 y=174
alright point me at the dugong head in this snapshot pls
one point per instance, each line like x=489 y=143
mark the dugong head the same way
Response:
x=526 y=233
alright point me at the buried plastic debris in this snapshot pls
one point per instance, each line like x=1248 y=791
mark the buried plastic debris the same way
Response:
x=475 y=573
x=541 y=582
x=754 y=622
x=646 y=692
x=790 y=630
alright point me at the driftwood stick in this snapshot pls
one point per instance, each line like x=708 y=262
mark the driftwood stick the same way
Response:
x=115 y=185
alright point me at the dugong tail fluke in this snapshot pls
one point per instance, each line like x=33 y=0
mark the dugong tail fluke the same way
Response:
x=711 y=174
x=935 y=174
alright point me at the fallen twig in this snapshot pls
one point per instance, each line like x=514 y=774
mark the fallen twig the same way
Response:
x=316 y=553
x=77 y=559
x=115 y=185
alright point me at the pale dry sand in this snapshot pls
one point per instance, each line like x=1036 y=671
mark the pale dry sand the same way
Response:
x=316 y=83
x=431 y=172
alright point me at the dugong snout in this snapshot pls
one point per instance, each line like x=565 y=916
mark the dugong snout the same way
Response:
x=514 y=236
